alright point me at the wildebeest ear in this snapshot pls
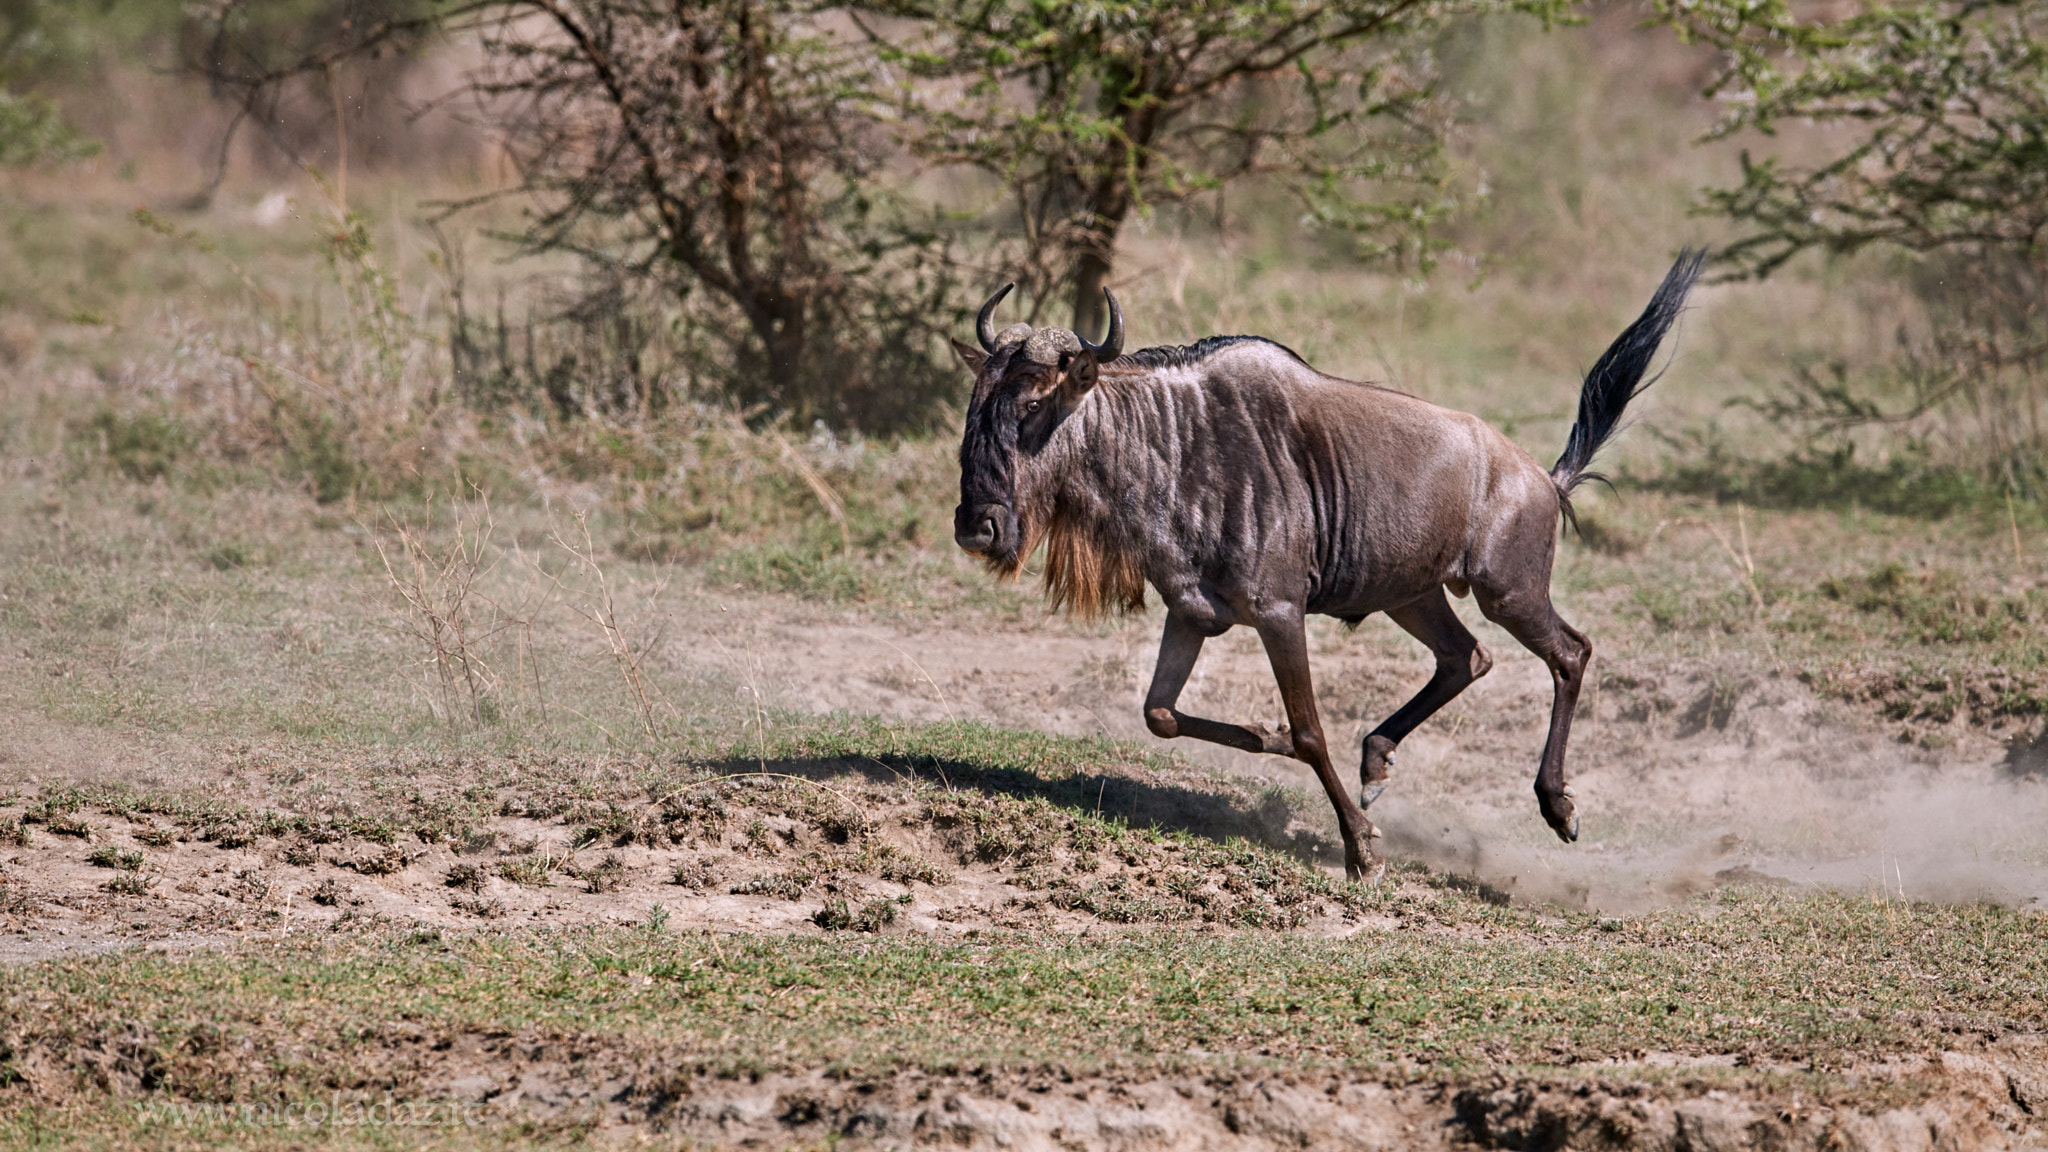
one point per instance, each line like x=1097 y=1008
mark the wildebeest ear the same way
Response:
x=1079 y=368
x=971 y=356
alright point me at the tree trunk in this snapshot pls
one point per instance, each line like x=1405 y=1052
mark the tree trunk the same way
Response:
x=1091 y=272
x=782 y=334
x=1137 y=95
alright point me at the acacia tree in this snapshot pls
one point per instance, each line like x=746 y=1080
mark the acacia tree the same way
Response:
x=1947 y=158
x=724 y=147
x=1089 y=114
x=721 y=149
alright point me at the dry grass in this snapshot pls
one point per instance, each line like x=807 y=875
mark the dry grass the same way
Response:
x=443 y=610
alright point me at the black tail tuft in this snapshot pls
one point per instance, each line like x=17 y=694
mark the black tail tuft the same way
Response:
x=1619 y=376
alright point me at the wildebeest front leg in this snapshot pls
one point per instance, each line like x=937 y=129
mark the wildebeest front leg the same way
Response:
x=1178 y=648
x=1459 y=661
x=1287 y=647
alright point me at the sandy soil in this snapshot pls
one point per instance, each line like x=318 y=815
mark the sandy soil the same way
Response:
x=1685 y=771
x=1985 y=1097
x=1687 y=777
x=1978 y=1099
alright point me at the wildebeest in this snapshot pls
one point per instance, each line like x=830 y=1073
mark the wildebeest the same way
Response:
x=1249 y=488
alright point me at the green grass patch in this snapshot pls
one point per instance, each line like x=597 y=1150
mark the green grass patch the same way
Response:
x=1460 y=985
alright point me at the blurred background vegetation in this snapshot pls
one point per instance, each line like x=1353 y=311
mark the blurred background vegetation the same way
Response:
x=369 y=247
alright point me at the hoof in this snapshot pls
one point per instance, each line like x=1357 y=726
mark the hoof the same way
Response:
x=1379 y=760
x=1371 y=794
x=1366 y=871
x=1360 y=861
x=1561 y=814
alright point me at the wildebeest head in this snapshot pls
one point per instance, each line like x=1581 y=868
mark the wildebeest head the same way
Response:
x=1027 y=381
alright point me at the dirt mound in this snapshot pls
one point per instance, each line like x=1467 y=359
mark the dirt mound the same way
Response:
x=785 y=845
x=1989 y=1098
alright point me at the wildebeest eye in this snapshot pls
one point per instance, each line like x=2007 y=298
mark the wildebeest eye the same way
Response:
x=1032 y=407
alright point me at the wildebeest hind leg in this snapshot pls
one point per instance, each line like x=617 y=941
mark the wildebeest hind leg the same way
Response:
x=1531 y=620
x=1178 y=648
x=1287 y=648
x=1459 y=661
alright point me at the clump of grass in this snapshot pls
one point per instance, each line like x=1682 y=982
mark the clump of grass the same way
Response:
x=250 y=886
x=231 y=834
x=1028 y=832
x=888 y=862
x=696 y=874
x=442 y=607
x=1903 y=485
x=700 y=812
x=70 y=824
x=130 y=884
x=479 y=907
x=838 y=915
x=229 y=555
x=141 y=445
x=392 y=859
x=108 y=856
x=761 y=838
x=532 y=870
x=468 y=877
x=787 y=885
x=16 y=833
x=1934 y=607
x=600 y=609
x=813 y=570
x=15 y=902
x=60 y=815
x=1714 y=707
x=163 y=836
x=376 y=831
x=1922 y=698
x=604 y=876
x=1604 y=536
x=300 y=854
x=329 y=892
x=620 y=826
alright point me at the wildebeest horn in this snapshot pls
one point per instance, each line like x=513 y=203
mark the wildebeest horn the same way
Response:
x=985 y=324
x=1112 y=345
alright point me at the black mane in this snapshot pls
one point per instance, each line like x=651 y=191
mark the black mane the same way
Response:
x=1185 y=354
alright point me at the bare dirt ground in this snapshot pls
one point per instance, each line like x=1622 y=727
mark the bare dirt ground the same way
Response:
x=1685 y=770
x=1688 y=776
x=1969 y=1100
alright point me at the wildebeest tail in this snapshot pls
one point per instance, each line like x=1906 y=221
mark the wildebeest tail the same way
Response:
x=1620 y=375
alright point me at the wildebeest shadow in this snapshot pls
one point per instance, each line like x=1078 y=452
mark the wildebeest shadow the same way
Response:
x=1224 y=812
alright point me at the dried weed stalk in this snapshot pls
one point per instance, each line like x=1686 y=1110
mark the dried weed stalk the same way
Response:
x=600 y=608
x=445 y=612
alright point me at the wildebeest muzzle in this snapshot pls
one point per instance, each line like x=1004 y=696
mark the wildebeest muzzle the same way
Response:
x=985 y=529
